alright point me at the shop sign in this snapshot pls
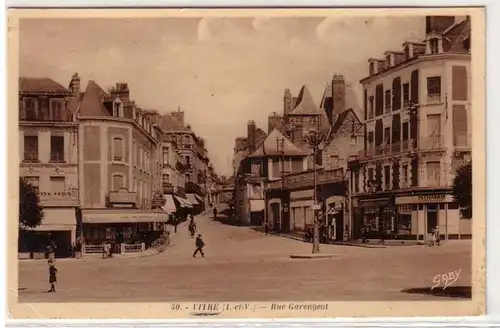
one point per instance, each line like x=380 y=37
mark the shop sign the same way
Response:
x=425 y=199
x=122 y=196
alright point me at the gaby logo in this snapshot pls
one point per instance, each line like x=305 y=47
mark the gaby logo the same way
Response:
x=445 y=279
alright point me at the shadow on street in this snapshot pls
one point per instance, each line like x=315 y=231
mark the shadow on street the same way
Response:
x=453 y=291
x=226 y=217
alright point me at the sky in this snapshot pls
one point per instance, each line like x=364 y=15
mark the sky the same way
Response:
x=222 y=72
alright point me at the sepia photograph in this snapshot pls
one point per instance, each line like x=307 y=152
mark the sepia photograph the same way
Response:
x=254 y=163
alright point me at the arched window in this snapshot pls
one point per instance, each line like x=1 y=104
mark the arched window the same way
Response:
x=117 y=149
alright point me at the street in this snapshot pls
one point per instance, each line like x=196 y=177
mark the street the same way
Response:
x=241 y=264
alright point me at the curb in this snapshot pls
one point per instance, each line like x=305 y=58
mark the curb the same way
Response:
x=313 y=256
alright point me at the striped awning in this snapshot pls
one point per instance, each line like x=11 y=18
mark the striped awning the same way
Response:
x=183 y=202
x=192 y=199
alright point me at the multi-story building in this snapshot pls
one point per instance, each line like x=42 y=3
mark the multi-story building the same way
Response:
x=188 y=146
x=417 y=132
x=48 y=152
x=117 y=162
x=267 y=161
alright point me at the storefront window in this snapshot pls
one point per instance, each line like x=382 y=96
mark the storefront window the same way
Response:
x=404 y=227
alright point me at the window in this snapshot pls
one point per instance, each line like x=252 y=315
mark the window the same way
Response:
x=56 y=110
x=405 y=176
x=34 y=182
x=379 y=99
x=433 y=173
x=387 y=104
x=459 y=82
x=188 y=160
x=434 y=88
x=353 y=140
x=30 y=105
x=356 y=182
x=387 y=177
x=406 y=94
x=433 y=131
x=387 y=135
x=370 y=139
x=370 y=107
x=434 y=45
x=117 y=149
x=188 y=177
x=165 y=179
x=57 y=149
x=396 y=93
x=118 y=182
x=57 y=184
x=30 y=148
x=370 y=174
x=165 y=155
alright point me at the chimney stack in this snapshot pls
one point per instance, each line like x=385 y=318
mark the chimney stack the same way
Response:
x=74 y=85
x=438 y=24
x=178 y=115
x=120 y=91
x=274 y=121
x=338 y=96
x=287 y=102
x=251 y=135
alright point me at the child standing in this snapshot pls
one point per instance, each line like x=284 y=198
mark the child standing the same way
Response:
x=52 y=276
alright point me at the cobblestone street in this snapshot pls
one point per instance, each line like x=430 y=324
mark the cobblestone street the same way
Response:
x=244 y=265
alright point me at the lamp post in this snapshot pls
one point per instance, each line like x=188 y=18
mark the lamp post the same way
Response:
x=280 y=148
x=314 y=139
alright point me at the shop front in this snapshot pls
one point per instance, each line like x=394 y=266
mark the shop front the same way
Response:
x=122 y=226
x=421 y=213
x=196 y=202
x=378 y=219
x=184 y=208
x=58 y=227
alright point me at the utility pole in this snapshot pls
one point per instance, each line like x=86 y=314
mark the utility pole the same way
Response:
x=280 y=147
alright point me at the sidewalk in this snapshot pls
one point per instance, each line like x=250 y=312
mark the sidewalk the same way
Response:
x=371 y=243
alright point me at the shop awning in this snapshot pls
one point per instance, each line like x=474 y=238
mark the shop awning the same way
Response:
x=200 y=200
x=192 y=199
x=183 y=202
x=375 y=203
x=123 y=216
x=169 y=206
x=257 y=205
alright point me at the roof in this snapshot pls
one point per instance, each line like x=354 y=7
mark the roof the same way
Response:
x=305 y=104
x=170 y=123
x=341 y=119
x=92 y=101
x=455 y=35
x=268 y=147
x=40 y=85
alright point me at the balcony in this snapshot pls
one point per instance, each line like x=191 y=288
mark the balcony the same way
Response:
x=386 y=150
x=31 y=157
x=57 y=157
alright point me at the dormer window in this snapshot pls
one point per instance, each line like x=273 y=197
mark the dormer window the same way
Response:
x=387 y=61
x=407 y=52
x=434 y=45
x=372 y=68
x=118 y=108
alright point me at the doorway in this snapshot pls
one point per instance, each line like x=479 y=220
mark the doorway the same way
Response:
x=432 y=218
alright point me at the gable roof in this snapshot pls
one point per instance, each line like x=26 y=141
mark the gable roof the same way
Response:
x=268 y=147
x=305 y=104
x=92 y=101
x=342 y=118
x=40 y=85
x=170 y=123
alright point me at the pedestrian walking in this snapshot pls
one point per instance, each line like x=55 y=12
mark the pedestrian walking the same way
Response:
x=52 y=276
x=215 y=212
x=266 y=228
x=438 y=237
x=199 y=246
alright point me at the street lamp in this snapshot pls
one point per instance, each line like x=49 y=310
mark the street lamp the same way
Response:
x=280 y=148
x=314 y=139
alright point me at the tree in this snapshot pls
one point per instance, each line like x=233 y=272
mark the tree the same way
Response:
x=462 y=190
x=30 y=210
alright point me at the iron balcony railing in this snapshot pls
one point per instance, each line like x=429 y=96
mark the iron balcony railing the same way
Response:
x=31 y=157
x=56 y=157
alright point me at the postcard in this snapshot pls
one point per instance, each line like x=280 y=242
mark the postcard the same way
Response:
x=246 y=163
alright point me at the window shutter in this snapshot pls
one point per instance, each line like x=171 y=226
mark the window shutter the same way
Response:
x=414 y=86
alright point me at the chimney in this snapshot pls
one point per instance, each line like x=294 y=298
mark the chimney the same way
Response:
x=438 y=24
x=74 y=85
x=251 y=134
x=338 y=95
x=287 y=102
x=274 y=121
x=240 y=144
x=179 y=115
x=120 y=91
